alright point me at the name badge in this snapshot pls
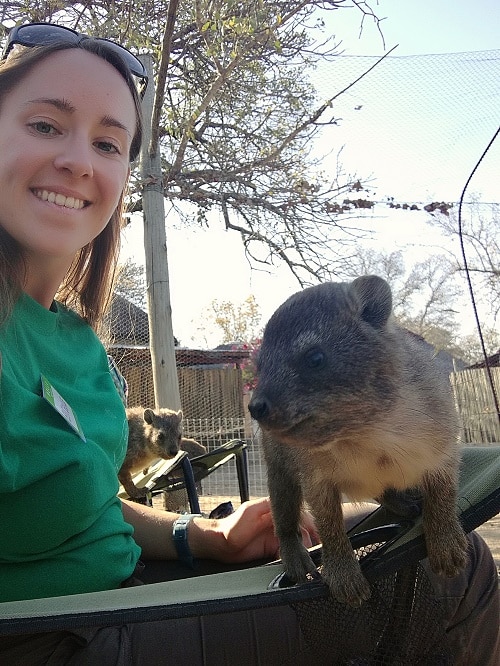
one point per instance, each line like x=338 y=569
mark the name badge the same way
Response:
x=55 y=399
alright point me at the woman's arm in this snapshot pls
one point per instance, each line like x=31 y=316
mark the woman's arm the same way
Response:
x=245 y=535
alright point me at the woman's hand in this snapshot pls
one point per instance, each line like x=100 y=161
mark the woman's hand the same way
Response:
x=248 y=533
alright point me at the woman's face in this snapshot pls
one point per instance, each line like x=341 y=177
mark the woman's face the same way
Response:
x=65 y=135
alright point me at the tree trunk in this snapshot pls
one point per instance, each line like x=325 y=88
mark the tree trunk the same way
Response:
x=161 y=337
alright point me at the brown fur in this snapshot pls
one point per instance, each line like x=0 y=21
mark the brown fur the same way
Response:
x=193 y=447
x=351 y=404
x=152 y=435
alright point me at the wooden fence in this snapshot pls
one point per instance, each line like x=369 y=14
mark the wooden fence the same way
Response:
x=208 y=392
x=476 y=405
x=215 y=411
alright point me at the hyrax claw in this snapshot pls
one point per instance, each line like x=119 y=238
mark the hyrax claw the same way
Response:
x=447 y=557
x=352 y=591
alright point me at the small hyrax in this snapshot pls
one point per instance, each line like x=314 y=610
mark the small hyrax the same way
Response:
x=151 y=435
x=349 y=403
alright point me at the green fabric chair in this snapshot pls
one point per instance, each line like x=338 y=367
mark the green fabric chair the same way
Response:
x=180 y=464
x=400 y=620
x=183 y=473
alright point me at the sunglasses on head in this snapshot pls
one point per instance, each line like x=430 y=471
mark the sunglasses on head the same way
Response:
x=43 y=34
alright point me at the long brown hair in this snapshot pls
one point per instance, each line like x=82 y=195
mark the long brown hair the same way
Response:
x=88 y=285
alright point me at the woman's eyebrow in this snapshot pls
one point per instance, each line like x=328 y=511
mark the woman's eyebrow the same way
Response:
x=60 y=104
x=109 y=121
x=66 y=106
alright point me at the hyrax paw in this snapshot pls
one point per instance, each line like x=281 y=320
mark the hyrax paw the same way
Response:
x=448 y=556
x=297 y=564
x=137 y=493
x=348 y=587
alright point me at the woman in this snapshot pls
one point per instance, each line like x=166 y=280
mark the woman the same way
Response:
x=69 y=127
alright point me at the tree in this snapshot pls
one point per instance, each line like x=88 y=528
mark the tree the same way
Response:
x=235 y=116
x=471 y=348
x=430 y=296
x=478 y=236
x=234 y=135
x=131 y=283
x=239 y=323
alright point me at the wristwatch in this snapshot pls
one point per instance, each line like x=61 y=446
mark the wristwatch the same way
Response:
x=179 y=535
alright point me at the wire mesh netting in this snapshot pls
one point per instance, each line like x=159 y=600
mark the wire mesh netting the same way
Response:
x=431 y=115
x=214 y=404
x=401 y=625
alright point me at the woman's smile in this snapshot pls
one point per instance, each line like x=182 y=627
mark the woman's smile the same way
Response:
x=60 y=200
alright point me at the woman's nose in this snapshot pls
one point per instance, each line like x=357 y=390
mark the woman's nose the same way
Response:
x=75 y=156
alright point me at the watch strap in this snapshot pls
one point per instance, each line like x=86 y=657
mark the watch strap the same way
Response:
x=179 y=535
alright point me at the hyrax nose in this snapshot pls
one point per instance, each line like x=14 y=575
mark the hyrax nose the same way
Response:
x=259 y=408
x=171 y=450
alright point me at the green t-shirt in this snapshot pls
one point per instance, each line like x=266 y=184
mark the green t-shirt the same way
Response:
x=62 y=529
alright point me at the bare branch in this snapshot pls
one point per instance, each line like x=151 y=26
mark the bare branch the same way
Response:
x=162 y=75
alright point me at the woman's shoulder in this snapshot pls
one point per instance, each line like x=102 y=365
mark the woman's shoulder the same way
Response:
x=69 y=317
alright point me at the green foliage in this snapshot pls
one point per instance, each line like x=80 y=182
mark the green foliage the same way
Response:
x=238 y=322
x=131 y=283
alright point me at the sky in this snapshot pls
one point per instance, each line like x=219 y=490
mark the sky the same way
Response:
x=413 y=141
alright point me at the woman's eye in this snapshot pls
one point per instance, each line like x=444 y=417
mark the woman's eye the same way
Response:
x=107 y=147
x=43 y=127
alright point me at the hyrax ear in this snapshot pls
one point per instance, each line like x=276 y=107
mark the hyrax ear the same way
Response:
x=375 y=298
x=149 y=416
x=180 y=414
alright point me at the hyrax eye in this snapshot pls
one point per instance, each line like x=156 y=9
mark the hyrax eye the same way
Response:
x=315 y=358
